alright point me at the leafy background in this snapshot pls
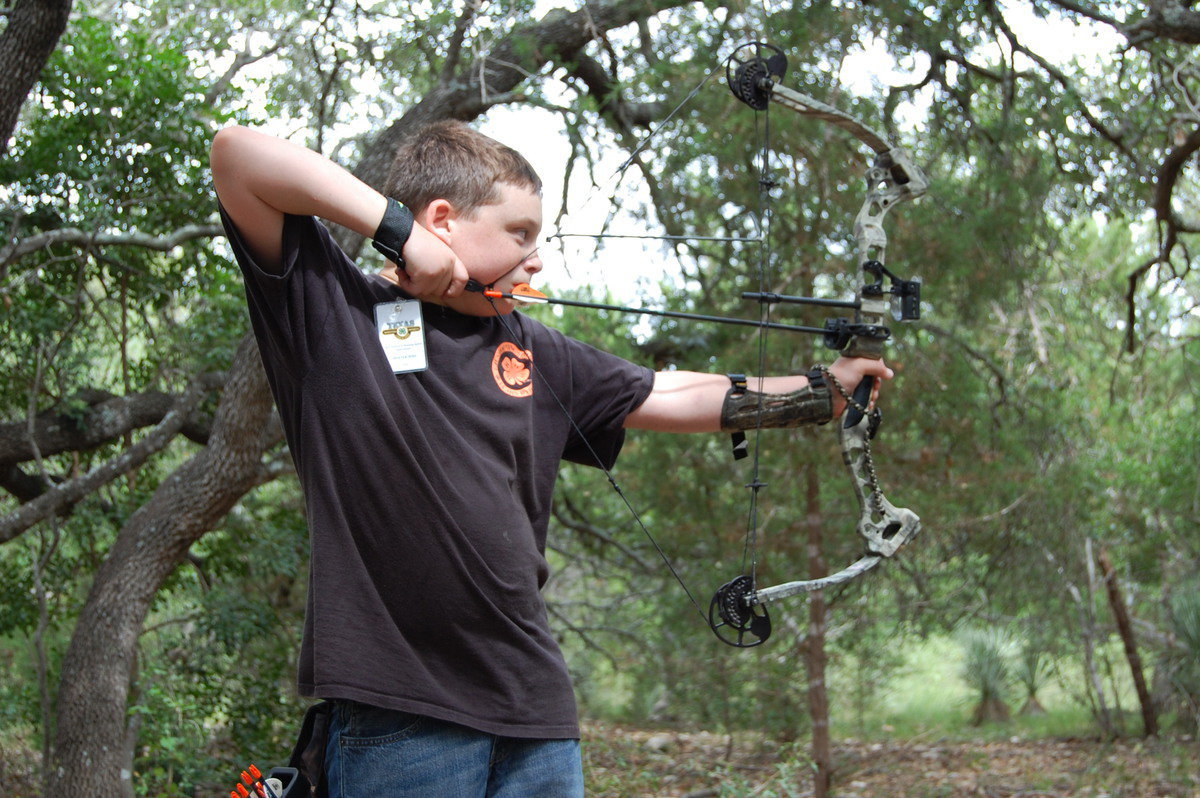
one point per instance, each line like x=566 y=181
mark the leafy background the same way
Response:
x=1044 y=412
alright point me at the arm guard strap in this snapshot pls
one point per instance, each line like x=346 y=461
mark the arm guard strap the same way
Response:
x=393 y=232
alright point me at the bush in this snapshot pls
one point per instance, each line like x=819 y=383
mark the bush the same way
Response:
x=986 y=672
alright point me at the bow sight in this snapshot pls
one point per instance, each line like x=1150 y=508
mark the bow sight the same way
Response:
x=737 y=614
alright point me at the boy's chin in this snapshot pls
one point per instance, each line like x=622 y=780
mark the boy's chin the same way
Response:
x=475 y=305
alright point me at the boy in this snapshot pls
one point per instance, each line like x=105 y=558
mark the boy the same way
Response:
x=427 y=445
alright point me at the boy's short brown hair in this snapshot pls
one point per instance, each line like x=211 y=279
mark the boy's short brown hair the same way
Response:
x=448 y=160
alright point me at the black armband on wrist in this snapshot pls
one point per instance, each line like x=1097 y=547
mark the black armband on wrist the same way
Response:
x=393 y=232
x=746 y=409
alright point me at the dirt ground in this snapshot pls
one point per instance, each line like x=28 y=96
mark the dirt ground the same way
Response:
x=623 y=761
x=632 y=762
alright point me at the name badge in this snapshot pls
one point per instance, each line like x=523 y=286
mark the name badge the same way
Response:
x=401 y=332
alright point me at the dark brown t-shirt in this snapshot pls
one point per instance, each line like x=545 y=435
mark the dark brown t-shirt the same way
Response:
x=428 y=493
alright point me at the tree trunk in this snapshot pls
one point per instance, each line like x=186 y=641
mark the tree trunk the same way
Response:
x=1088 y=612
x=27 y=42
x=815 y=656
x=90 y=757
x=1125 y=627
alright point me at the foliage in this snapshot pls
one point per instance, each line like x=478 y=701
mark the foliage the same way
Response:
x=1181 y=661
x=115 y=142
x=986 y=670
x=1031 y=670
x=1021 y=428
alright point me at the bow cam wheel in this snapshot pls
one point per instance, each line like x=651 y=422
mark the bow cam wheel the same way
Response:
x=734 y=617
x=752 y=70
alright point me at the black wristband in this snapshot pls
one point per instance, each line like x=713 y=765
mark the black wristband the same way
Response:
x=393 y=232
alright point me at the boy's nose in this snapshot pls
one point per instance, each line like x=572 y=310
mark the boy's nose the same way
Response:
x=533 y=264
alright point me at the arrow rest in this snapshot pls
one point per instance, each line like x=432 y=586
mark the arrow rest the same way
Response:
x=734 y=616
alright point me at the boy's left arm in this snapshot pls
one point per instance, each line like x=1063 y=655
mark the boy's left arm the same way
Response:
x=688 y=401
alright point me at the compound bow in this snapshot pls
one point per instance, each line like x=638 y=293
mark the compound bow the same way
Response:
x=737 y=613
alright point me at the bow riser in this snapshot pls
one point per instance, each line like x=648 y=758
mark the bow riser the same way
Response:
x=883 y=526
x=892 y=178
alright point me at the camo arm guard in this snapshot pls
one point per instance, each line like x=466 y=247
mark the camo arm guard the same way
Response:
x=745 y=409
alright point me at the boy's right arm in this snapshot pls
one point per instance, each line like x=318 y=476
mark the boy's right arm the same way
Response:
x=259 y=178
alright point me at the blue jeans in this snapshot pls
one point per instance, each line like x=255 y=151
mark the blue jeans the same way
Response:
x=382 y=753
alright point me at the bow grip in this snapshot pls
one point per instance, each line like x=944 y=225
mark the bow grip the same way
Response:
x=862 y=395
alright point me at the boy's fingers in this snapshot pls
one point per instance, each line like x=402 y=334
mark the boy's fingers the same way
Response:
x=428 y=284
x=415 y=287
x=458 y=279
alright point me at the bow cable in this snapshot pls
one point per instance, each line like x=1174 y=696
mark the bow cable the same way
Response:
x=765 y=257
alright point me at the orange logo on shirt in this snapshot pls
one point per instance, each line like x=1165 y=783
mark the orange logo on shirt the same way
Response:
x=512 y=368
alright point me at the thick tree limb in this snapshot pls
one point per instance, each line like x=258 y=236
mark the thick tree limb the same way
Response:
x=73 y=235
x=56 y=499
x=1170 y=226
x=105 y=420
x=25 y=487
x=89 y=756
x=608 y=98
x=1166 y=19
x=28 y=40
x=1085 y=10
x=1168 y=176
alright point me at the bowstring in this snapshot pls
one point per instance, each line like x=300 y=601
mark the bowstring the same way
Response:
x=750 y=547
x=765 y=256
x=612 y=480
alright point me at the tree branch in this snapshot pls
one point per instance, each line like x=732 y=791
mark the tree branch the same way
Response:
x=71 y=491
x=609 y=100
x=454 y=51
x=1112 y=137
x=576 y=521
x=73 y=235
x=558 y=37
x=240 y=61
x=103 y=418
x=1087 y=12
x=1166 y=19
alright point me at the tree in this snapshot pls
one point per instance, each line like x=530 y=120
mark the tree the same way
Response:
x=31 y=30
x=132 y=419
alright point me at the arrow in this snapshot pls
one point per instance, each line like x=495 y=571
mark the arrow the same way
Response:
x=526 y=294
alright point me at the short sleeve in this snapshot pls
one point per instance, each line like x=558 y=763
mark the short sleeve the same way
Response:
x=599 y=390
x=288 y=309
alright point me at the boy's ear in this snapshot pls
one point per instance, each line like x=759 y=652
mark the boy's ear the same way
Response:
x=437 y=218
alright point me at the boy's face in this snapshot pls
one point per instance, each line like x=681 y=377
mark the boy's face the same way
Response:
x=498 y=245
